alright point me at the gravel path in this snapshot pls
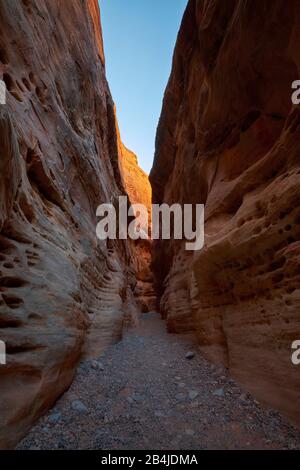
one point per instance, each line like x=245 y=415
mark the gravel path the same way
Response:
x=143 y=393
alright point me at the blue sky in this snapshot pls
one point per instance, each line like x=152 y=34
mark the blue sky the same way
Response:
x=139 y=40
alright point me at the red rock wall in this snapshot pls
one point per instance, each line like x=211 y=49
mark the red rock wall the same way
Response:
x=139 y=190
x=62 y=292
x=229 y=137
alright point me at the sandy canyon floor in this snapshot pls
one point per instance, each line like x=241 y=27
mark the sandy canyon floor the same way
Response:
x=144 y=393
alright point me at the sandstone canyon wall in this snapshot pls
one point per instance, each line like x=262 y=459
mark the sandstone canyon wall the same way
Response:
x=138 y=187
x=229 y=138
x=62 y=292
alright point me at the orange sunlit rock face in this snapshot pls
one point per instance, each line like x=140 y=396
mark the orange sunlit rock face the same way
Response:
x=229 y=138
x=136 y=180
x=62 y=292
x=139 y=191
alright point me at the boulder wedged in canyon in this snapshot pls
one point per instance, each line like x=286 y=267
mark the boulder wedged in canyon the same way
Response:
x=62 y=291
x=138 y=187
x=229 y=138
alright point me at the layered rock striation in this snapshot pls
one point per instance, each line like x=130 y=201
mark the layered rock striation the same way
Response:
x=139 y=191
x=229 y=137
x=63 y=293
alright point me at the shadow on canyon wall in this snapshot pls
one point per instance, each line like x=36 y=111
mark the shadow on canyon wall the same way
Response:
x=228 y=137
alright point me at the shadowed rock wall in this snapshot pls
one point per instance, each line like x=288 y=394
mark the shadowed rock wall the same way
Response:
x=229 y=137
x=62 y=292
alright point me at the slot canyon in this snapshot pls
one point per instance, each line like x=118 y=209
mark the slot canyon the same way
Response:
x=143 y=344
